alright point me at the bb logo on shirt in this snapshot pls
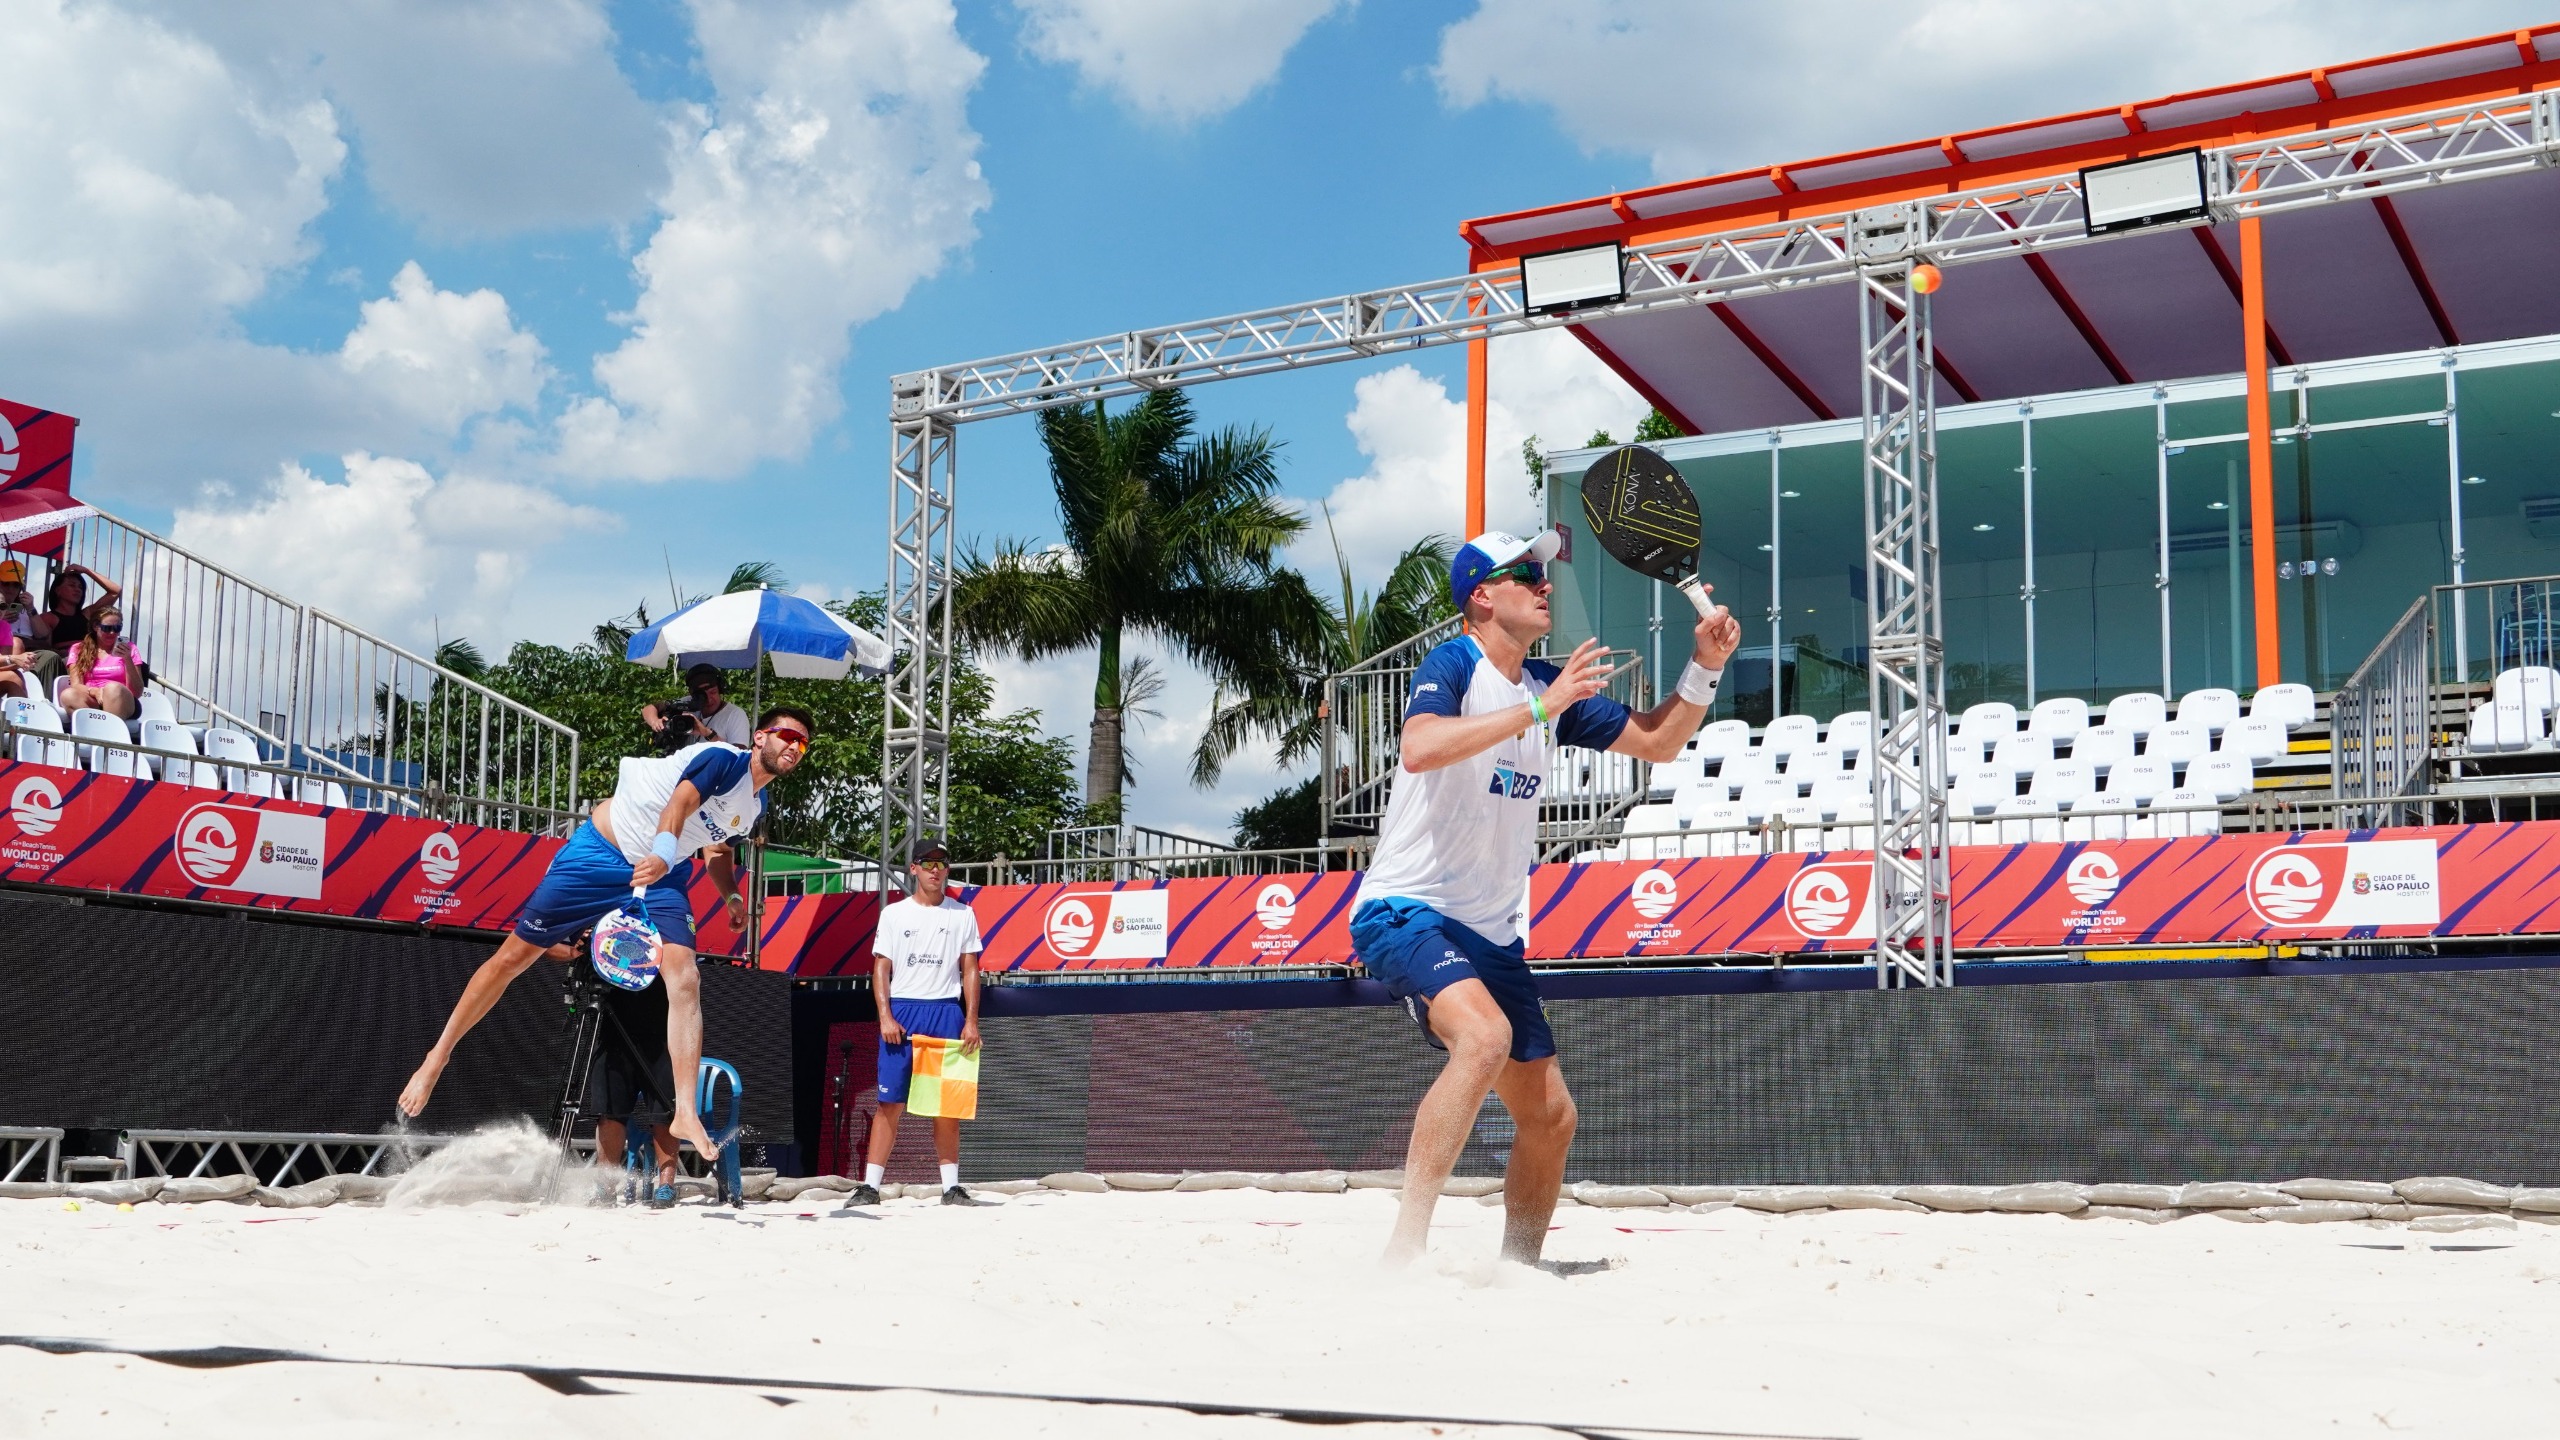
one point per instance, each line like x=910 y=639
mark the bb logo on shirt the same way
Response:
x=1514 y=784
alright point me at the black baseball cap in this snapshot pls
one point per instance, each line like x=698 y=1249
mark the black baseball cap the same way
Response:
x=706 y=674
x=933 y=850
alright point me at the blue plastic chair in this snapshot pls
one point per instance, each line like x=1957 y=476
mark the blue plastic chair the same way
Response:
x=639 y=1162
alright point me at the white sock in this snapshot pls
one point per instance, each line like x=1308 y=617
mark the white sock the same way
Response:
x=950 y=1175
x=871 y=1175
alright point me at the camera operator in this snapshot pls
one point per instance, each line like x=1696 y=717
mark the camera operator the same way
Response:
x=701 y=713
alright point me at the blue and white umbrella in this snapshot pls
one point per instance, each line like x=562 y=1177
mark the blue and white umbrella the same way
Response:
x=805 y=641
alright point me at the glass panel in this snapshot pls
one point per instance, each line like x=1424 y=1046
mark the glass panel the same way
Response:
x=2371 y=399
x=2097 y=529
x=1824 y=575
x=1981 y=526
x=1733 y=506
x=2212 y=603
x=2362 y=520
x=2511 y=518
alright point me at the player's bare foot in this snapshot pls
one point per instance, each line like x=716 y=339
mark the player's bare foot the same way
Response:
x=689 y=1127
x=421 y=1087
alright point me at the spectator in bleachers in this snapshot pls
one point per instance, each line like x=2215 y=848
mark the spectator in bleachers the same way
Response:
x=26 y=667
x=105 y=673
x=69 y=612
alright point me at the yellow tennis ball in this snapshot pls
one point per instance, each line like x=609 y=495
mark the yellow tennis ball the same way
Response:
x=1925 y=279
x=126 y=1205
x=70 y=1204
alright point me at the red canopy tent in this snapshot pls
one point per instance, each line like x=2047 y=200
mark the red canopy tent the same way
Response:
x=35 y=478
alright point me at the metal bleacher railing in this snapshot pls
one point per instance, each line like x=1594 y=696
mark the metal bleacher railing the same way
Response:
x=2400 y=721
x=1364 y=717
x=393 y=730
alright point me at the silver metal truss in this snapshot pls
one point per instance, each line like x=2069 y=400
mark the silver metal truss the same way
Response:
x=320 y=696
x=274 y=1157
x=30 y=1152
x=1906 y=669
x=916 y=748
x=2483 y=140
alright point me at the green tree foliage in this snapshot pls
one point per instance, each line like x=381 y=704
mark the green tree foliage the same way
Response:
x=1167 y=535
x=1286 y=819
x=1654 y=426
x=1009 y=782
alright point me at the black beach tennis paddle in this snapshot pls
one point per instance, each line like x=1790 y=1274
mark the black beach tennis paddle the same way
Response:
x=1645 y=515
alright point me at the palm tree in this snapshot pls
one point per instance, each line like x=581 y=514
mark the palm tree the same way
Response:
x=1415 y=598
x=1166 y=535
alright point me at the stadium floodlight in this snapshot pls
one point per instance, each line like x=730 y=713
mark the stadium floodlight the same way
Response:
x=1562 y=280
x=2135 y=194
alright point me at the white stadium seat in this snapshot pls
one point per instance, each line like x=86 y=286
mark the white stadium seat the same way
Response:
x=1988 y=723
x=2021 y=754
x=2142 y=778
x=2137 y=714
x=1853 y=828
x=2063 y=783
x=1672 y=775
x=1727 y=831
x=2257 y=739
x=2060 y=719
x=154 y=706
x=177 y=758
x=2179 y=742
x=1720 y=739
x=1764 y=798
x=2290 y=705
x=2212 y=707
x=1851 y=732
x=2100 y=817
x=1803 y=826
x=99 y=725
x=1834 y=794
x=2225 y=777
x=1746 y=768
x=36 y=715
x=2023 y=820
x=2102 y=748
x=237 y=749
x=2536 y=687
x=1692 y=799
x=1789 y=733
x=313 y=790
x=2185 y=812
x=1813 y=764
x=2501 y=725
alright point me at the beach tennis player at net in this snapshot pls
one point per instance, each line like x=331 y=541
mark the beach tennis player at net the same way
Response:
x=662 y=812
x=1437 y=915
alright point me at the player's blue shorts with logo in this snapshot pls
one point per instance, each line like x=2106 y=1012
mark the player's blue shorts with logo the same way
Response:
x=1420 y=952
x=589 y=880
x=940 y=1019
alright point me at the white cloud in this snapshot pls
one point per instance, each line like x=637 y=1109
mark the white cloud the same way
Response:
x=389 y=546
x=476 y=116
x=1700 y=88
x=837 y=170
x=149 y=190
x=1171 y=60
x=443 y=356
x=1414 y=433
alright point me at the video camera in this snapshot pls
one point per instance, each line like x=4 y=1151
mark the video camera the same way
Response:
x=680 y=720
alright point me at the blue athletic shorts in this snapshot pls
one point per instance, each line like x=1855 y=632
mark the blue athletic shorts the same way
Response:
x=1420 y=952
x=941 y=1019
x=589 y=880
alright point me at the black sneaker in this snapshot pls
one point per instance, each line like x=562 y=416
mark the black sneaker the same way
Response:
x=860 y=1195
x=957 y=1196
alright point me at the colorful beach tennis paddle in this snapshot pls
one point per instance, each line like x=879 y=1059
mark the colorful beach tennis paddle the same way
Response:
x=625 y=947
x=1645 y=515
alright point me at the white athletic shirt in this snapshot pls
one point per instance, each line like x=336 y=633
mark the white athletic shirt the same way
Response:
x=722 y=775
x=1461 y=838
x=924 y=945
x=730 y=724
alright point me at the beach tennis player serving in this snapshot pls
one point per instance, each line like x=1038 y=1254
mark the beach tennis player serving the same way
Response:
x=1436 y=918
x=632 y=861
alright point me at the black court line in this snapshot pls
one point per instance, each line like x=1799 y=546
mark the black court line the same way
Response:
x=579 y=1380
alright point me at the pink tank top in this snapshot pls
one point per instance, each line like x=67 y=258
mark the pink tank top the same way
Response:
x=111 y=669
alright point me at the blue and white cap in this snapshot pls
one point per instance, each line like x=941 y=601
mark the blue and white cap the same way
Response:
x=1491 y=551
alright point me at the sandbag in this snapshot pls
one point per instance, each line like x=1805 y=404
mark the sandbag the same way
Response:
x=2536 y=1202
x=2231 y=1195
x=2314 y=1212
x=197 y=1191
x=363 y=1187
x=1216 y=1180
x=1141 y=1179
x=2454 y=1190
x=1868 y=1197
x=30 y=1189
x=1697 y=1194
x=1076 y=1182
x=1004 y=1187
x=2363 y=1192
x=1471 y=1186
x=2045 y=1197
x=2447 y=1224
x=116 y=1192
x=2144 y=1214
x=1962 y=1199
x=1618 y=1197
x=1783 y=1199
x=2140 y=1197
x=1304 y=1182
x=1375 y=1180
x=310 y=1195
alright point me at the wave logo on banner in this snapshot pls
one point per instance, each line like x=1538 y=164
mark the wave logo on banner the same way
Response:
x=2362 y=882
x=2092 y=878
x=36 y=805
x=1276 y=906
x=1654 y=894
x=1128 y=925
x=440 y=859
x=1829 y=902
x=287 y=856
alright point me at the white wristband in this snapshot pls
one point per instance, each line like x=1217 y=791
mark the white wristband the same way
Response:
x=1698 y=684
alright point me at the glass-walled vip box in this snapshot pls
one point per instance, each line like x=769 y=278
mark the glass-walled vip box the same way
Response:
x=2101 y=542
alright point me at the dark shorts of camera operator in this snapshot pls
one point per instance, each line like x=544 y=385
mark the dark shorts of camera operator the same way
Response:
x=615 y=1088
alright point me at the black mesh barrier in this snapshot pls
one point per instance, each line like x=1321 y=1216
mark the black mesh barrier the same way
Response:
x=2354 y=1075
x=115 y=1017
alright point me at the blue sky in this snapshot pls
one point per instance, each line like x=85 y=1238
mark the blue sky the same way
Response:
x=471 y=318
